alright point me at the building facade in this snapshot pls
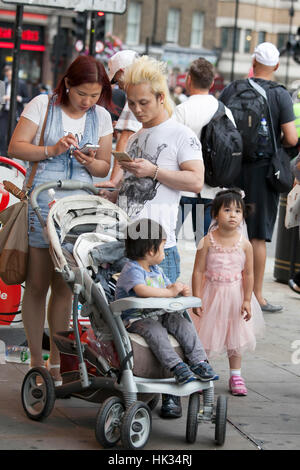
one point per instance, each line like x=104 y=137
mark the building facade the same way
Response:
x=171 y=30
x=175 y=31
x=257 y=21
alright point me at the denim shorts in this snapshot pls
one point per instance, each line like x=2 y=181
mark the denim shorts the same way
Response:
x=46 y=173
x=171 y=264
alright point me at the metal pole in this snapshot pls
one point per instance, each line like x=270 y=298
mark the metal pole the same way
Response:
x=234 y=39
x=92 y=34
x=153 y=39
x=57 y=52
x=291 y=13
x=15 y=70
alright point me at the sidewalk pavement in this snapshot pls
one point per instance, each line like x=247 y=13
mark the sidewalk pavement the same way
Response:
x=268 y=418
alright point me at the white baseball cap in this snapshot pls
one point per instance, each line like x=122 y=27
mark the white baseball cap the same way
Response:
x=120 y=60
x=267 y=54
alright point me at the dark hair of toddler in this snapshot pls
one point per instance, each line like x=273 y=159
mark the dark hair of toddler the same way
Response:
x=226 y=198
x=142 y=236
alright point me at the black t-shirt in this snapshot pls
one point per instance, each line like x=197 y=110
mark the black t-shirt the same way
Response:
x=279 y=99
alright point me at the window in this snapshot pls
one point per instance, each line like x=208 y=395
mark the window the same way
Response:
x=261 y=37
x=282 y=39
x=173 y=25
x=133 y=24
x=248 y=39
x=227 y=39
x=109 y=19
x=197 y=29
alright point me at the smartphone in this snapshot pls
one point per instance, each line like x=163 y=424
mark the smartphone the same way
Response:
x=85 y=149
x=122 y=156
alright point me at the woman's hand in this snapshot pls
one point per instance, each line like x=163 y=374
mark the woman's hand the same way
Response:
x=64 y=144
x=140 y=167
x=84 y=159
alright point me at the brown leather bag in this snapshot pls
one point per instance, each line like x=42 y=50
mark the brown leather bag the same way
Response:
x=14 y=231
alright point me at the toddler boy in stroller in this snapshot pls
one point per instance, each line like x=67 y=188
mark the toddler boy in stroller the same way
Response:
x=142 y=277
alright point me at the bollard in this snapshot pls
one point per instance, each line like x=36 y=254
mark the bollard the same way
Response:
x=287 y=254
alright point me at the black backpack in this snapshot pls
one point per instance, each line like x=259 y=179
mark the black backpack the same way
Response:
x=222 y=149
x=248 y=108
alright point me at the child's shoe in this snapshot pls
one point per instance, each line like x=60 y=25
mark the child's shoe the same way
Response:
x=237 y=386
x=204 y=371
x=183 y=373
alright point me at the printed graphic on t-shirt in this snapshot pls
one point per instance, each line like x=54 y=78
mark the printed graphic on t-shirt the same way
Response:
x=155 y=281
x=135 y=192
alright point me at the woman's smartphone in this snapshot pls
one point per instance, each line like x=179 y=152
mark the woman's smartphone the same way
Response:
x=87 y=147
x=122 y=156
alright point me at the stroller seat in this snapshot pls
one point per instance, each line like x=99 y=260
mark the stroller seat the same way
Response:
x=92 y=251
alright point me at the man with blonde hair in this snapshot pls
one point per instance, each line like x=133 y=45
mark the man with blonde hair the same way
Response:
x=167 y=159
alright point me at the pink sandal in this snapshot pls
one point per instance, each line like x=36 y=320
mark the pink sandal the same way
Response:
x=237 y=385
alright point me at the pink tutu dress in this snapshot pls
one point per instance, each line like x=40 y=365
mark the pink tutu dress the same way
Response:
x=222 y=327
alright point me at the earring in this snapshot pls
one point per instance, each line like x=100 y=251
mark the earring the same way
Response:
x=67 y=90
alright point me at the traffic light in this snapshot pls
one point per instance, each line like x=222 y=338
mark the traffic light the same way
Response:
x=79 y=29
x=100 y=26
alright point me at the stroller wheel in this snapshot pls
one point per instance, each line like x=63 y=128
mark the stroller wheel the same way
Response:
x=192 y=418
x=38 y=393
x=108 y=422
x=221 y=415
x=136 y=426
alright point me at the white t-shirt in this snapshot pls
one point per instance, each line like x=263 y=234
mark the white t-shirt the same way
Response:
x=127 y=121
x=195 y=113
x=36 y=109
x=168 y=145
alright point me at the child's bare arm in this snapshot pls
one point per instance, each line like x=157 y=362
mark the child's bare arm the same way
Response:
x=248 y=281
x=248 y=275
x=172 y=290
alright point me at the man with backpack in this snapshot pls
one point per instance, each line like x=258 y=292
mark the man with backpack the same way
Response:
x=196 y=112
x=251 y=114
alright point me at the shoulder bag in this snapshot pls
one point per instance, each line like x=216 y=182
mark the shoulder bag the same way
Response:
x=14 y=231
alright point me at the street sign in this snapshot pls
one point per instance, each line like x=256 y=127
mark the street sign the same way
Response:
x=108 y=6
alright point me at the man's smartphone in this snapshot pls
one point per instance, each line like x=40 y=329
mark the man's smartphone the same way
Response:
x=87 y=147
x=122 y=156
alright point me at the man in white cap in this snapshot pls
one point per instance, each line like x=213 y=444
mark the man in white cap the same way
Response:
x=253 y=175
x=127 y=123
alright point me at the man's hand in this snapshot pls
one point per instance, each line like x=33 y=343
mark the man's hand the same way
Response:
x=140 y=168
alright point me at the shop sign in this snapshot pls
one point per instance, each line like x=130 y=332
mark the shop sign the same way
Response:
x=108 y=6
x=32 y=37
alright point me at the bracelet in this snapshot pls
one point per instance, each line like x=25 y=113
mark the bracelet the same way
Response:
x=46 y=151
x=156 y=172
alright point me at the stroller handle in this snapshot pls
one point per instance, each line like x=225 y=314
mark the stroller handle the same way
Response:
x=65 y=184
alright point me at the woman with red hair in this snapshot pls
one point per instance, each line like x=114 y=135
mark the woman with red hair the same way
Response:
x=74 y=116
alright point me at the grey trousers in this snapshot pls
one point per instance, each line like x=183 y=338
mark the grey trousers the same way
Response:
x=155 y=332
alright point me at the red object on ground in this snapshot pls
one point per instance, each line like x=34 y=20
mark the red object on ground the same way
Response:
x=10 y=297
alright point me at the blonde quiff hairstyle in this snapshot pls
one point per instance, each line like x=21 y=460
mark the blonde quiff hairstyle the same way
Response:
x=149 y=70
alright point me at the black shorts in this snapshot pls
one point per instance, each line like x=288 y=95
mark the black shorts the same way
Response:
x=258 y=193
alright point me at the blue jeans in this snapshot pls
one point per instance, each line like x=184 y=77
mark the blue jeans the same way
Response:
x=171 y=264
x=200 y=220
x=155 y=333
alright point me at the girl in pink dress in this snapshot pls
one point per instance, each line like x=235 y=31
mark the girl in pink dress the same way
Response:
x=230 y=317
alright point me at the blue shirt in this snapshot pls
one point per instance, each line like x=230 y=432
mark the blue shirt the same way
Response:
x=132 y=275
